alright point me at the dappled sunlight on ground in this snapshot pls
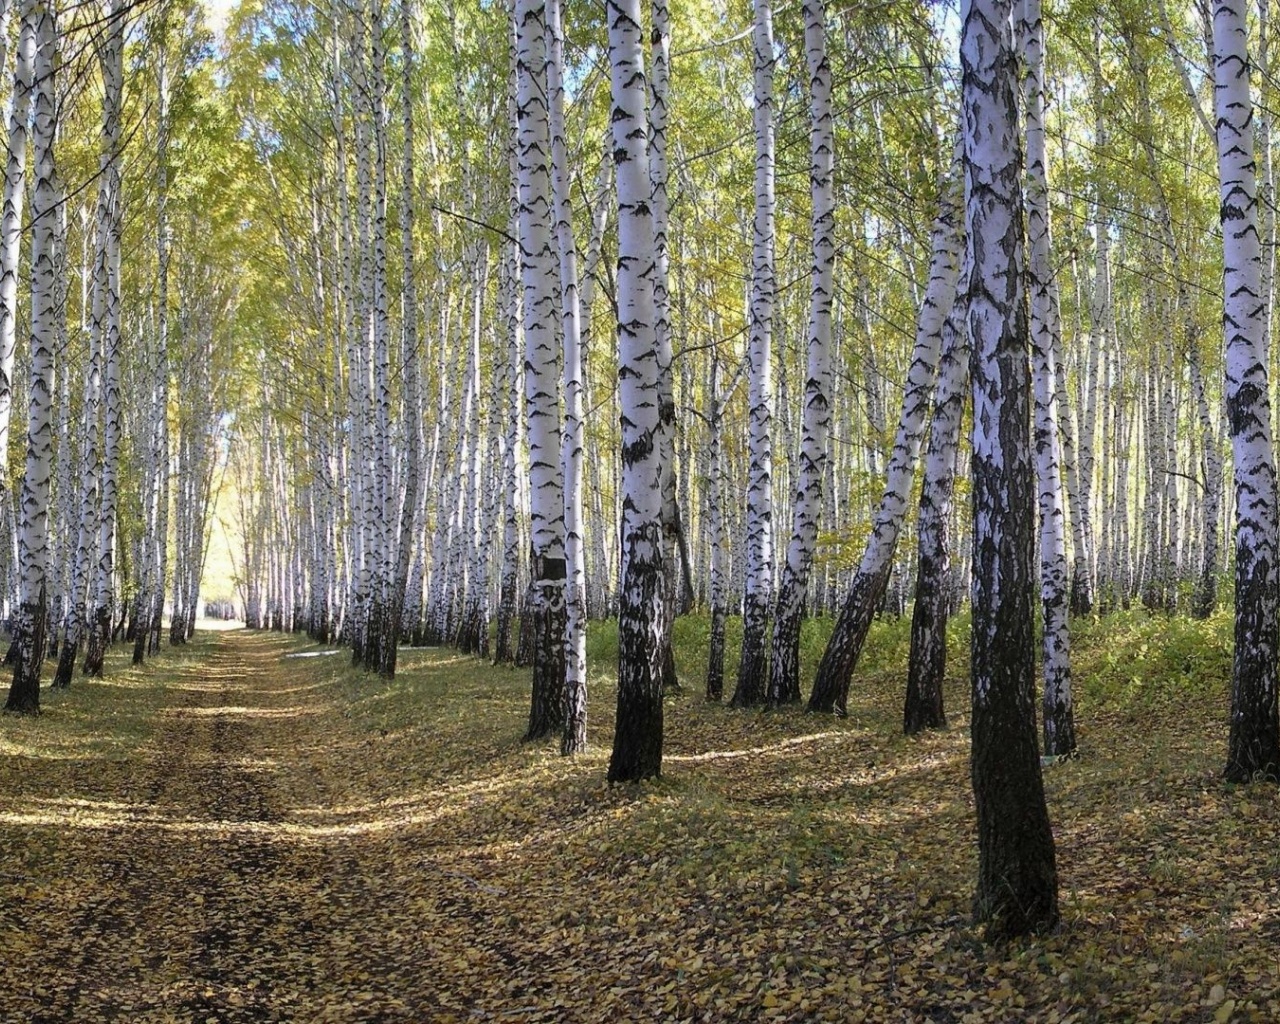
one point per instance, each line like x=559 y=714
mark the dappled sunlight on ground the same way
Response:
x=781 y=745
x=239 y=836
x=239 y=711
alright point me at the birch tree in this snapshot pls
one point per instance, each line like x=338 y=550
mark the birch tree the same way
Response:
x=926 y=666
x=784 y=675
x=753 y=665
x=659 y=116
x=1254 y=742
x=383 y=627
x=90 y=448
x=11 y=217
x=1017 y=875
x=1059 y=724
x=33 y=505
x=542 y=392
x=409 y=357
x=574 y=738
x=718 y=539
x=108 y=329
x=831 y=686
x=637 y=743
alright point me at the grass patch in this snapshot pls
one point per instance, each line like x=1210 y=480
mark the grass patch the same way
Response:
x=99 y=719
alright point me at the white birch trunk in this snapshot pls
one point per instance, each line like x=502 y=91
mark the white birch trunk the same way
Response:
x=1059 y=722
x=383 y=633
x=753 y=666
x=574 y=737
x=11 y=216
x=659 y=103
x=926 y=670
x=1017 y=877
x=637 y=744
x=784 y=675
x=1254 y=741
x=831 y=687
x=33 y=505
x=110 y=221
x=542 y=392
x=410 y=360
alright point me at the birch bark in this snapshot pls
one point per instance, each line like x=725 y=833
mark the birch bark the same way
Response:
x=1017 y=877
x=110 y=221
x=753 y=665
x=33 y=505
x=574 y=735
x=784 y=675
x=637 y=744
x=1253 y=748
x=1059 y=722
x=831 y=687
x=542 y=392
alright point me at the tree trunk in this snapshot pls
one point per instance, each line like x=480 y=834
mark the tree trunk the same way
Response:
x=718 y=537
x=831 y=687
x=926 y=669
x=637 y=742
x=542 y=392
x=108 y=326
x=1017 y=877
x=1059 y=723
x=660 y=89
x=574 y=737
x=1253 y=749
x=784 y=675
x=753 y=665
x=33 y=506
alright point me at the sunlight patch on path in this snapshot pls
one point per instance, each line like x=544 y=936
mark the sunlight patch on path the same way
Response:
x=240 y=711
x=843 y=737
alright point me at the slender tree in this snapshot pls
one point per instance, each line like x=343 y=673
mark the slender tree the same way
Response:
x=637 y=743
x=659 y=113
x=831 y=687
x=574 y=739
x=1254 y=743
x=1059 y=722
x=542 y=392
x=409 y=356
x=108 y=327
x=33 y=506
x=753 y=665
x=1017 y=876
x=784 y=675
x=718 y=538
x=11 y=217
x=927 y=662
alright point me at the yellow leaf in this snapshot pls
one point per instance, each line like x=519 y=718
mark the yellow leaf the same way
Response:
x=1003 y=992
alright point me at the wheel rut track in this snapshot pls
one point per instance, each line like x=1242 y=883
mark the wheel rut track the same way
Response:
x=204 y=916
x=211 y=874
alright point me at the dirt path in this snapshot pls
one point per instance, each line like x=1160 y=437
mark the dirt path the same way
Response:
x=199 y=879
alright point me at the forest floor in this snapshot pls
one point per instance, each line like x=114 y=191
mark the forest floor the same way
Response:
x=235 y=833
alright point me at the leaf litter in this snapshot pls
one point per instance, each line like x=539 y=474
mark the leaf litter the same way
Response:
x=233 y=836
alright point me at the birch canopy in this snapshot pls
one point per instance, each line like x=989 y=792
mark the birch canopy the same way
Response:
x=904 y=361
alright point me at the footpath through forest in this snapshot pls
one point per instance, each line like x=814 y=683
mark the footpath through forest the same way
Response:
x=250 y=831
x=199 y=878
